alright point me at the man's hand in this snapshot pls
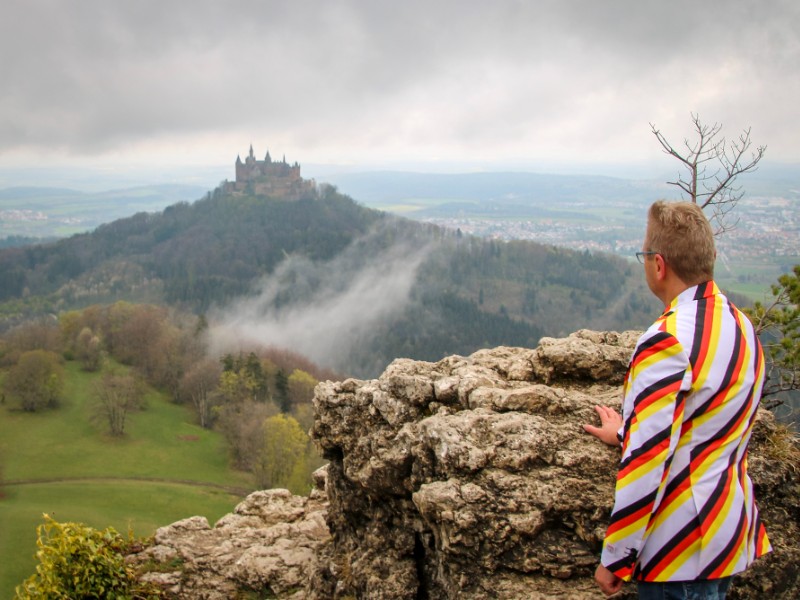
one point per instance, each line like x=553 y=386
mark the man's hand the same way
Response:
x=609 y=583
x=610 y=422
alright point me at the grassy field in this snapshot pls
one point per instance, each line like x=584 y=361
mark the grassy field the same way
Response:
x=63 y=463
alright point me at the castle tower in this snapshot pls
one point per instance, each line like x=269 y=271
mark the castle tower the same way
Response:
x=270 y=178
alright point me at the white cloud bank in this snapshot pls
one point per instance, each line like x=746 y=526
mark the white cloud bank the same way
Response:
x=340 y=302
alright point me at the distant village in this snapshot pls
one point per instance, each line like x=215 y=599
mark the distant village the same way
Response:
x=767 y=228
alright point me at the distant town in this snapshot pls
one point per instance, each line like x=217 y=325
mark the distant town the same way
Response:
x=764 y=241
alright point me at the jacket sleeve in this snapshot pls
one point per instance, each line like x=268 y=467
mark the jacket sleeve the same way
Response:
x=652 y=419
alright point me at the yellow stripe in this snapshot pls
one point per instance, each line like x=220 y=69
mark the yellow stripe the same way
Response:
x=679 y=561
x=656 y=357
x=642 y=470
x=665 y=513
x=621 y=534
x=715 y=525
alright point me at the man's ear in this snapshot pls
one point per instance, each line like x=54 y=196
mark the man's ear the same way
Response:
x=661 y=267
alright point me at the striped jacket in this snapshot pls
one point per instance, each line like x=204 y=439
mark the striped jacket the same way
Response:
x=684 y=507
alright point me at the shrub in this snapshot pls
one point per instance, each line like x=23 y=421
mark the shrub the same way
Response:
x=77 y=561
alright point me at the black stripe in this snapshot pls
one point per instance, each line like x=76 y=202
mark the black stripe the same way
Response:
x=656 y=386
x=624 y=563
x=627 y=511
x=722 y=483
x=723 y=431
x=720 y=559
x=649 y=343
x=652 y=442
x=673 y=543
x=676 y=481
x=701 y=290
x=699 y=328
x=737 y=349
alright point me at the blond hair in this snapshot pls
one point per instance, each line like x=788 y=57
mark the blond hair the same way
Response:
x=680 y=232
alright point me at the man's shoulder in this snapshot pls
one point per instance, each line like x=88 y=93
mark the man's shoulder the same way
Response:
x=656 y=336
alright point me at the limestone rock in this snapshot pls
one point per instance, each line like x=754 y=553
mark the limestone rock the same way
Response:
x=470 y=477
x=267 y=545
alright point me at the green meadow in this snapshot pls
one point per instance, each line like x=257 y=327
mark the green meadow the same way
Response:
x=62 y=462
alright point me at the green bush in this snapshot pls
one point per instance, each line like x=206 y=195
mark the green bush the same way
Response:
x=77 y=561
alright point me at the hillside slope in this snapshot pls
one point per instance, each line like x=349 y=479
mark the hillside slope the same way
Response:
x=305 y=265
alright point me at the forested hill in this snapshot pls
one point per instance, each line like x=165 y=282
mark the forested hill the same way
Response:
x=464 y=294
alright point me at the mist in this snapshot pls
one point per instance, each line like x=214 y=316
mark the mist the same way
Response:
x=321 y=310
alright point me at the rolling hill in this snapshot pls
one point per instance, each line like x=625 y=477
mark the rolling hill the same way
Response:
x=369 y=285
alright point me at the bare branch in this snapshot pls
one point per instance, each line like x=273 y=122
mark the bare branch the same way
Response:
x=716 y=189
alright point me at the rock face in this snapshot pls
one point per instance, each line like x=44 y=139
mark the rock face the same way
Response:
x=266 y=547
x=468 y=478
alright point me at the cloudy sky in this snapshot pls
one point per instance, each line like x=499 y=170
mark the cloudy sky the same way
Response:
x=95 y=82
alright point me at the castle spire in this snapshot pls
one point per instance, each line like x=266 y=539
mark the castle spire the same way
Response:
x=251 y=152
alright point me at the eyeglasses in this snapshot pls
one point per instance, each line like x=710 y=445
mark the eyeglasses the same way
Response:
x=640 y=255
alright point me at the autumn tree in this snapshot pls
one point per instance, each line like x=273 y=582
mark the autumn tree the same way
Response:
x=88 y=350
x=284 y=446
x=41 y=334
x=37 y=380
x=242 y=424
x=301 y=392
x=116 y=396
x=712 y=166
x=198 y=386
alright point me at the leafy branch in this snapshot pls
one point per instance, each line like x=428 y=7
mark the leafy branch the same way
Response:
x=779 y=320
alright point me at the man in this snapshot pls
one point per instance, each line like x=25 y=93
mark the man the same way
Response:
x=684 y=518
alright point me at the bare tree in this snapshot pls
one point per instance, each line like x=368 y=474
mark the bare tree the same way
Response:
x=198 y=385
x=713 y=166
x=116 y=396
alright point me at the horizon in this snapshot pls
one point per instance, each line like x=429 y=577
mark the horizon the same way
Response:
x=108 y=177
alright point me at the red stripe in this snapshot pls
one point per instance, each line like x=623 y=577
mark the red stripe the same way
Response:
x=705 y=341
x=717 y=573
x=762 y=539
x=662 y=345
x=658 y=394
x=615 y=526
x=687 y=541
x=674 y=494
x=643 y=458
x=719 y=503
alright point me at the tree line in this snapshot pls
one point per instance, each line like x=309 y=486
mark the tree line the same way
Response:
x=470 y=292
x=260 y=400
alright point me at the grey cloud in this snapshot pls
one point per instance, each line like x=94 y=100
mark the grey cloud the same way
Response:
x=94 y=76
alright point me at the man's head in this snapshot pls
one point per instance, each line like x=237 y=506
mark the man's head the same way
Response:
x=681 y=234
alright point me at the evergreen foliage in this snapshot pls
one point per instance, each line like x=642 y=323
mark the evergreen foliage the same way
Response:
x=778 y=324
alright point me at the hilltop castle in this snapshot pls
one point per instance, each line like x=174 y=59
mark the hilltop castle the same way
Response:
x=269 y=178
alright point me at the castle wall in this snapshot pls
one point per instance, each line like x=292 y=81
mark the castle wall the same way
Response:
x=264 y=177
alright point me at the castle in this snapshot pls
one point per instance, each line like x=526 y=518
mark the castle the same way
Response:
x=269 y=178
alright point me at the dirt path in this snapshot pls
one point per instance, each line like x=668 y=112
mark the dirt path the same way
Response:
x=236 y=491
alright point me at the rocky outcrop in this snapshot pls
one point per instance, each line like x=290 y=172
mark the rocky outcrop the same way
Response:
x=266 y=547
x=467 y=478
